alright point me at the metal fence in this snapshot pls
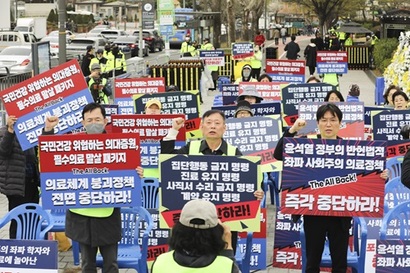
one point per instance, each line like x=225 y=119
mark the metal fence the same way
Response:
x=6 y=82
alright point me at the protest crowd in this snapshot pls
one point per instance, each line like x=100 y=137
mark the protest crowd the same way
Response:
x=282 y=163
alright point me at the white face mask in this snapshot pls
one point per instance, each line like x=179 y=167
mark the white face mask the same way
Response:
x=94 y=128
x=246 y=73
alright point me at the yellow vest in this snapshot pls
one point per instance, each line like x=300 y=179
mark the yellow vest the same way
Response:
x=101 y=94
x=94 y=212
x=165 y=263
x=349 y=41
x=97 y=61
x=256 y=61
x=195 y=145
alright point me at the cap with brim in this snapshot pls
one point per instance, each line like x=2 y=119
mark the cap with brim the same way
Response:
x=243 y=105
x=100 y=51
x=250 y=91
x=153 y=101
x=200 y=214
x=95 y=66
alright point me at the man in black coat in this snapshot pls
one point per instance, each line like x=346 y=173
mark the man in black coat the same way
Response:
x=85 y=63
x=292 y=49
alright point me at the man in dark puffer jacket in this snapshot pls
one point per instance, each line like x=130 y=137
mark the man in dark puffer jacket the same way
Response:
x=19 y=174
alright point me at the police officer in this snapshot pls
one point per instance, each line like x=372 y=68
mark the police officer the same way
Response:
x=187 y=47
x=99 y=59
x=98 y=86
x=116 y=61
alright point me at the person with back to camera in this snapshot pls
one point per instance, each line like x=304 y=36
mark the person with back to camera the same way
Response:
x=310 y=54
x=317 y=228
x=200 y=242
x=292 y=49
x=354 y=93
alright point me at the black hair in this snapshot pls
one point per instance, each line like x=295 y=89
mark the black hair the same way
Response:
x=329 y=107
x=263 y=76
x=293 y=37
x=171 y=87
x=312 y=78
x=91 y=106
x=400 y=93
x=213 y=111
x=386 y=94
x=405 y=131
x=337 y=93
x=196 y=241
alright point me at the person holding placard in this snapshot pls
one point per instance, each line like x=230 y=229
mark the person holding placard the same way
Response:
x=213 y=127
x=19 y=172
x=317 y=228
x=95 y=229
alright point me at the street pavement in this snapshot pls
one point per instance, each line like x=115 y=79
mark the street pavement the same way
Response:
x=359 y=77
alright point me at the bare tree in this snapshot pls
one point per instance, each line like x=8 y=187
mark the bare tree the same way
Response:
x=231 y=31
x=326 y=10
x=256 y=7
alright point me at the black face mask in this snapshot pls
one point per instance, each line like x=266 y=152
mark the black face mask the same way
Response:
x=115 y=51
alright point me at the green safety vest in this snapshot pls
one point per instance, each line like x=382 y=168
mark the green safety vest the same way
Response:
x=195 y=145
x=349 y=41
x=97 y=61
x=209 y=46
x=94 y=212
x=115 y=63
x=165 y=263
x=151 y=172
x=255 y=62
x=331 y=78
x=101 y=94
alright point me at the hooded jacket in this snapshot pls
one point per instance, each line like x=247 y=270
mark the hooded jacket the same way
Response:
x=245 y=79
x=310 y=54
x=13 y=164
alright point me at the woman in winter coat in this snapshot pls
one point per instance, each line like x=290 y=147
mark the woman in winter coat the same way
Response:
x=310 y=56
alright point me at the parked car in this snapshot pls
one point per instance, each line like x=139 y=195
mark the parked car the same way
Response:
x=112 y=34
x=17 y=59
x=54 y=43
x=78 y=46
x=14 y=38
x=176 y=40
x=152 y=39
x=70 y=35
x=130 y=44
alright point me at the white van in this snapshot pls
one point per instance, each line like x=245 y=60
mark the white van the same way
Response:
x=12 y=38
